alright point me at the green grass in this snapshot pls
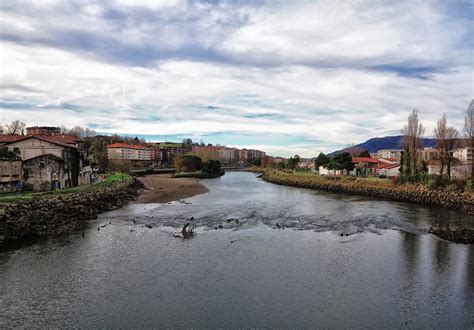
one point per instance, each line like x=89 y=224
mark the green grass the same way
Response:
x=24 y=195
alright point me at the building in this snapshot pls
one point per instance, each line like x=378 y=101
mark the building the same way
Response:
x=364 y=165
x=429 y=153
x=464 y=155
x=10 y=175
x=228 y=155
x=45 y=172
x=389 y=170
x=47 y=163
x=43 y=130
x=124 y=151
x=389 y=153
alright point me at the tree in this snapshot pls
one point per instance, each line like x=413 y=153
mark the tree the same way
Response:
x=188 y=163
x=469 y=130
x=15 y=127
x=343 y=161
x=257 y=162
x=446 y=142
x=8 y=154
x=452 y=143
x=364 y=153
x=412 y=132
x=293 y=162
x=321 y=160
x=440 y=133
x=212 y=166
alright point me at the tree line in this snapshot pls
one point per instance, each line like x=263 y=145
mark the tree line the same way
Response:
x=412 y=167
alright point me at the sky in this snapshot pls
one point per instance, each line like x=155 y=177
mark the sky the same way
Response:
x=287 y=77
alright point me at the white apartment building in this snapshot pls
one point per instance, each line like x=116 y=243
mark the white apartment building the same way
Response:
x=124 y=151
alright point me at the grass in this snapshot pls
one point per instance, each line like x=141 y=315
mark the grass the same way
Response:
x=197 y=174
x=24 y=195
x=347 y=178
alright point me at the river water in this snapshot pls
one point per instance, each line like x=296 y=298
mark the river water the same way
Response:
x=384 y=271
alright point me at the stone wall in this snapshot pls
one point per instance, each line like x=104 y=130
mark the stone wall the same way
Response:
x=56 y=215
x=462 y=201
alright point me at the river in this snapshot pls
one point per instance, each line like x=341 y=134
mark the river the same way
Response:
x=265 y=256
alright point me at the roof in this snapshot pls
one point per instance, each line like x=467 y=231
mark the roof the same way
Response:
x=8 y=138
x=364 y=160
x=45 y=155
x=387 y=166
x=126 y=145
x=67 y=139
x=62 y=140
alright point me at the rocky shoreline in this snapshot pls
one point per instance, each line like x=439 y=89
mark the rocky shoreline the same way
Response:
x=461 y=201
x=58 y=215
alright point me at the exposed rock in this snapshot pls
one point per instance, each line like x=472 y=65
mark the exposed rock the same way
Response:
x=57 y=215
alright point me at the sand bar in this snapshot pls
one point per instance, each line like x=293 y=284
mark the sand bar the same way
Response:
x=161 y=188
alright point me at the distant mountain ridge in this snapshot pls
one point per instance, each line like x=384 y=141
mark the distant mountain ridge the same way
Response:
x=379 y=143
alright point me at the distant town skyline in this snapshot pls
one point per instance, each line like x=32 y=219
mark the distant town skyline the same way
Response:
x=288 y=78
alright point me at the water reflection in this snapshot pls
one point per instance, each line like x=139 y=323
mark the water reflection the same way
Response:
x=246 y=274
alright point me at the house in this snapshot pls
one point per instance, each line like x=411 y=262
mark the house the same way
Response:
x=389 y=170
x=324 y=171
x=45 y=172
x=10 y=175
x=364 y=165
x=48 y=162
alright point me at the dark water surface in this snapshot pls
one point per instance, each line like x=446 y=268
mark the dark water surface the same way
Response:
x=387 y=273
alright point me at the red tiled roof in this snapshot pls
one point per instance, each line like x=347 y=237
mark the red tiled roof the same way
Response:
x=66 y=139
x=7 y=138
x=387 y=166
x=364 y=160
x=126 y=145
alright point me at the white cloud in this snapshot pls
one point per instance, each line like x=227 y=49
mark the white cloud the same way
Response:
x=308 y=68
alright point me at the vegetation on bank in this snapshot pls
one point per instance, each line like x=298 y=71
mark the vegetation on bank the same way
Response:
x=461 y=200
x=110 y=180
x=192 y=166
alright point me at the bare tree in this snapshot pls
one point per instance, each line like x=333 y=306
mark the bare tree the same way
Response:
x=413 y=131
x=16 y=127
x=452 y=141
x=447 y=139
x=469 y=130
x=440 y=133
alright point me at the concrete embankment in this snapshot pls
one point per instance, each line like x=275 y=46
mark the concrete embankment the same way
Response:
x=61 y=214
x=462 y=201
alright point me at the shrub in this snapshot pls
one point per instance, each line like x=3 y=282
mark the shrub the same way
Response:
x=432 y=184
x=382 y=176
x=452 y=188
x=469 y=187
x=188 y=163
x=211 y=166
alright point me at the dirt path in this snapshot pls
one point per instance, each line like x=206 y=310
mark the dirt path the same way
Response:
x=161 y=188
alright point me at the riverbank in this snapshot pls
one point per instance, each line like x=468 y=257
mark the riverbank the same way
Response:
x=62 y=213
x=162 y=188
x=462 y=201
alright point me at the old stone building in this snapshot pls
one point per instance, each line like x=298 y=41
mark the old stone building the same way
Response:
x=10 y=175
x=49 y=162
x=45 y=172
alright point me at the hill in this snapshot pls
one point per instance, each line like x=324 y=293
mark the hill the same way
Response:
x=387 y=142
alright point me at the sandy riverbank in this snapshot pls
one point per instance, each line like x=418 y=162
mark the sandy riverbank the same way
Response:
x=161 y=188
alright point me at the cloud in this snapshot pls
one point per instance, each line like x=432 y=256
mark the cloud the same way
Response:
x=308 y=76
